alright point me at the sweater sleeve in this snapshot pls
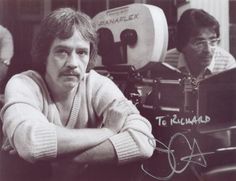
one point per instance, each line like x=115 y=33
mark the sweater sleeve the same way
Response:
x=133 y=142
x=26 y=127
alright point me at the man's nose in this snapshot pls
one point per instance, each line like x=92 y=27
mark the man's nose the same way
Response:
x=207 y=48
x=72 y=61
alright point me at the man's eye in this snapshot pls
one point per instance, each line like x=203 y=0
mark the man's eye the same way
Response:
x=82 y=52
x=62 y=51
x=199 y=43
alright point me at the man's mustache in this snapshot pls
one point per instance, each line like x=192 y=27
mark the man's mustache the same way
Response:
x=72 y=72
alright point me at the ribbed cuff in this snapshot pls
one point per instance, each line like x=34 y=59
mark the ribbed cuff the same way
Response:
x=45 y=143
x=126 y=148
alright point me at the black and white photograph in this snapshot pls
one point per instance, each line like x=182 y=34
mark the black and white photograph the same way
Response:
x=117 y=90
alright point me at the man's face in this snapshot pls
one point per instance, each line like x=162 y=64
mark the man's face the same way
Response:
x=67 y=62
x=200 y=49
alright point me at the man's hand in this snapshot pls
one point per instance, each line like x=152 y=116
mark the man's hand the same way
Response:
x=8 y=148
x=118 y=113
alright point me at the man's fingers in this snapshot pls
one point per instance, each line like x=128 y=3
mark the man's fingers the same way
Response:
x=12 y=152
x=7 y=147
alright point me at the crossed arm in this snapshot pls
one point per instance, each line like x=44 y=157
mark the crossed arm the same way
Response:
x=123 y=138
x=90 y=145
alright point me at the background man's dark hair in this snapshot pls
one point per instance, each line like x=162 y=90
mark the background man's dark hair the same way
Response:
x=190 y=21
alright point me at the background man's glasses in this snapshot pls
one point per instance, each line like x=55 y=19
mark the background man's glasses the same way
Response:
x=200 y=44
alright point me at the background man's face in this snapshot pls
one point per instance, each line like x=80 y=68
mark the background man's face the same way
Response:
x=200 y=49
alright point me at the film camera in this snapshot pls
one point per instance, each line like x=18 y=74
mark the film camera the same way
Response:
x=132 y=44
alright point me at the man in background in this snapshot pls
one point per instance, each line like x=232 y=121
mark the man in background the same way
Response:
x=197 y=55
x=197 y=52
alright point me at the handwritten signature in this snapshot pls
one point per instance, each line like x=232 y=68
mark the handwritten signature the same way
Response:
x=195 y=152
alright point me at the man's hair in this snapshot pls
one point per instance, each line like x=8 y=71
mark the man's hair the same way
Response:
x=190 y=21
x=61 y=23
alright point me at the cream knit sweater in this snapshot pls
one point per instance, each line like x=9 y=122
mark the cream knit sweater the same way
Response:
x=28 y=102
